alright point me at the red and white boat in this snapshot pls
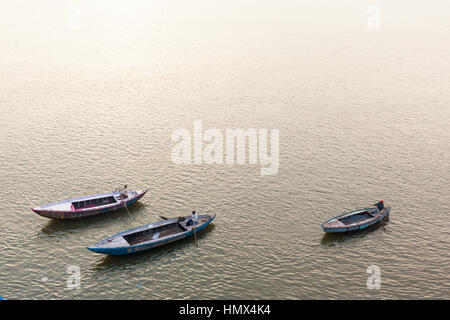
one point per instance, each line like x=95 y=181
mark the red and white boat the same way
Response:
x=90 y=205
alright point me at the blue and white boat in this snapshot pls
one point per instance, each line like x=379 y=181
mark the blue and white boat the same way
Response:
x=90 y=205
x=356 y=220
x=151 y=235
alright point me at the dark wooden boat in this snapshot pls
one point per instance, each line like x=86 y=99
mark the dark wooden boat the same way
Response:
x=89 y=205
x=150 y=236
x=356 y=220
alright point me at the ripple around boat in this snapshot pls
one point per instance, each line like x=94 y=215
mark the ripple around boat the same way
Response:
x=150 y=236
x=89 y=205
x=356 y=220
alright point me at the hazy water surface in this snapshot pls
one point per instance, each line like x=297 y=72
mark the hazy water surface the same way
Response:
x=91 y=91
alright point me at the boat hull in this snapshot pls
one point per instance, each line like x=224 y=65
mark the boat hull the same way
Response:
x=147 y=246
x=83 y=213
x=331 y=227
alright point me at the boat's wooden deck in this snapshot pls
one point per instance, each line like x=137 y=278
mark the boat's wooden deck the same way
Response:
x=147 y=236
x=91 y=203
x=356 y=218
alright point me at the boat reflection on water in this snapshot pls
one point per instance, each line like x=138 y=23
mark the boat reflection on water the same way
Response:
x=152 y=235
x=55 y=225
x=180 y=247
x=333 y=238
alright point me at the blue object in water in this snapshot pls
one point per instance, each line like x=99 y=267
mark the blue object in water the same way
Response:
x=356 y=220
x=151 y=235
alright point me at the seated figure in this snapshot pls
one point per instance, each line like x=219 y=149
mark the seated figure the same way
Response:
x=380 y=205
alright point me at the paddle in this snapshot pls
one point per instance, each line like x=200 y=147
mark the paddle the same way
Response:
x=195 y=234
x=124 y=200
x=195 y=221
x=195 y=237
x=383 y=224
x=125 y=204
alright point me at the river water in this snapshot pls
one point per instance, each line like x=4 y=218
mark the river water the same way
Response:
x=91 y=93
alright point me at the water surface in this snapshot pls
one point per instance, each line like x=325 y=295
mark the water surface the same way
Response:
x=90 y=93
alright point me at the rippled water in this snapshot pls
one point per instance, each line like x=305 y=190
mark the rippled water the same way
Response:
x=90 y=94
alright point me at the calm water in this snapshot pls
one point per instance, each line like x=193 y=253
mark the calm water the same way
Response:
x=90 y=93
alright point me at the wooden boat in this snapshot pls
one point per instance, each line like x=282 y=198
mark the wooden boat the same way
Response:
x=151 y=235
x=356 y=220
x=90 y=205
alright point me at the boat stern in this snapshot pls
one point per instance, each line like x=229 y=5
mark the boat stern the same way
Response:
x=138 y=193
x=333 y=225
x=94 y=249
x=111 y=245
x=41 y=212
x=110 y=251
x=206 y=218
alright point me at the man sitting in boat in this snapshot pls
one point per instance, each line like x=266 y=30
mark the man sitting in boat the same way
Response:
x=380 y=205
x=193 y=219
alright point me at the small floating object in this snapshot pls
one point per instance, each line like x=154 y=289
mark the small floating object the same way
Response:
x=90 y=205
x=357 y=220
x=151 y=235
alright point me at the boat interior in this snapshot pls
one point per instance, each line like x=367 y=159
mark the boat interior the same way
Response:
x=357 y=217
x=155 y=233
x=94 y=202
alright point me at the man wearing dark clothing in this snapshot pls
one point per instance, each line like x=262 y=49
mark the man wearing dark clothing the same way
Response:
x=380 y=205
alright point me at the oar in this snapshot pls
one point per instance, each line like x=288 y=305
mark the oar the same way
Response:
x=164 y=218
x=125 y=205
x=382 y=223
x=195 y=235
